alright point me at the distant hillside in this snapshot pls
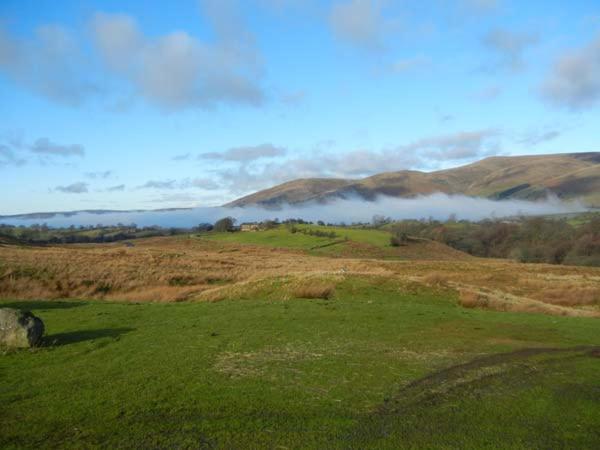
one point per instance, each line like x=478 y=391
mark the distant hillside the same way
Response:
x=53 y=214
x=570 y=175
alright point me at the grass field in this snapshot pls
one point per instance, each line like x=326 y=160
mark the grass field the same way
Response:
x=257 y=340
x=377 y=366
x=348 y=242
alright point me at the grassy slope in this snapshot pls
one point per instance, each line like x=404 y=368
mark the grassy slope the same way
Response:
x=302 y=374
x=348 y=242
x=277 y=237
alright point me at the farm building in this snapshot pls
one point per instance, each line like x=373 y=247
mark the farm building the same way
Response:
x=249 y=227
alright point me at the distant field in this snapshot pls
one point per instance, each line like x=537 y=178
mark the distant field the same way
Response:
x=379 y=365
x=348 y=242
x=226 y=265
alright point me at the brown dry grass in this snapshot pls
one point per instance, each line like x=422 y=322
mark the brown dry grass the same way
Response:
x=181 y=268
x=468 y=299
x=500 y=301
x=157 y=269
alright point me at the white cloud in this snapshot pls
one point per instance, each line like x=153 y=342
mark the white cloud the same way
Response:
x=427 y=152
x=177 y=70
x=49 y=63
x=574 y=81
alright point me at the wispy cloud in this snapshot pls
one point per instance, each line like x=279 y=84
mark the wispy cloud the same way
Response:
x=488 y=93
x=183 y=157
x=75 y=188
x=481 y=6
x=157 y=184
x=10 y=157
x=536 y=137
x=360 y=22
x=102 y=175
x=186 y=183
x=17 y=153
x=293 y=98
x=117 y=188
x=410 y=64
x=247 y=153
x=44 y=146
x=508 y=47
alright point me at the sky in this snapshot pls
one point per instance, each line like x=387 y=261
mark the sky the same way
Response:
x=150 y=104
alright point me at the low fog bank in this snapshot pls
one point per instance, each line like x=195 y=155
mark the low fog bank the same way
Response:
x=437 y=206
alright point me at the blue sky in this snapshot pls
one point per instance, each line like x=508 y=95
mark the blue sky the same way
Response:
x=132 y=104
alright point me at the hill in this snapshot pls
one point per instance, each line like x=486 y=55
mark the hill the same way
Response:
x=568 y=176
x=344 y=242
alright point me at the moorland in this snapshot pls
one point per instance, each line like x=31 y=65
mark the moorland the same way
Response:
x=298 y=337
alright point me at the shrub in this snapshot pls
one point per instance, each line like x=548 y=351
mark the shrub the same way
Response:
x=399 y=239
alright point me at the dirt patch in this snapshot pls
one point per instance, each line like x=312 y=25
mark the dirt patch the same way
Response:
x=439 y=383
x=255 y=364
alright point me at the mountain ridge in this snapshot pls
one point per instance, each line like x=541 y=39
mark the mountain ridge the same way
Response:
x=528 y=177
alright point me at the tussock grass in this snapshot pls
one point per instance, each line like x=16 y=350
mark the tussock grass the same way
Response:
x=320 y=290
x=498 y=301
x=436 y=279
x=180 y=268
x=468 y=299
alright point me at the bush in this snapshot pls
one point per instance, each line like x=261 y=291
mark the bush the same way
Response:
x=224 y=224
x=399 y=239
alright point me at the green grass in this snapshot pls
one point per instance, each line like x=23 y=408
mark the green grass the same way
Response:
x=282 y=237
x=279 y=237
x=350 y=372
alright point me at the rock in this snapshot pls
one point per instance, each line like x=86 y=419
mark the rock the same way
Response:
x=19 y=329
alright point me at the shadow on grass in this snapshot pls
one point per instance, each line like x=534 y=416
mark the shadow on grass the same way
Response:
x=73 y=337
x=415 y=410
x=41 y=305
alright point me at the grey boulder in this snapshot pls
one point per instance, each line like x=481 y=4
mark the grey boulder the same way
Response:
x=19 y=329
